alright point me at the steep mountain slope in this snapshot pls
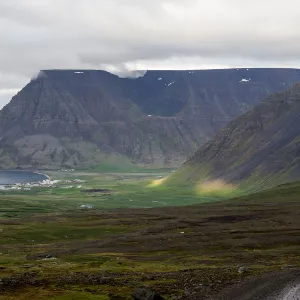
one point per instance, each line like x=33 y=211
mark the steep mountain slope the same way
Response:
x=83 y=118
x=260 y=148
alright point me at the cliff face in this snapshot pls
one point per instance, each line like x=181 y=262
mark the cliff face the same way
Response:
x=260 y=148
x=81 y=118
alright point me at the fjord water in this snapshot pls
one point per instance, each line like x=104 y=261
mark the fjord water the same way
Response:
x=14 y=177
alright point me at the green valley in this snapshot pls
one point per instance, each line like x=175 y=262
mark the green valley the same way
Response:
x=72 y=243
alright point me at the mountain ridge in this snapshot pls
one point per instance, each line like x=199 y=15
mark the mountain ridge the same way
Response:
x=81 y=118
x=259 y=148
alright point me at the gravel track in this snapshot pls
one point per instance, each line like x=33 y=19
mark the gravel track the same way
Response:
x=293 y=293
x=276 y=286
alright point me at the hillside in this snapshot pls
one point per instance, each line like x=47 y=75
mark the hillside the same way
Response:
x=68 y=118
x=261 y=148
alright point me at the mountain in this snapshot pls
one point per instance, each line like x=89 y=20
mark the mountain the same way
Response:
x=82 y=118
x=260 y=148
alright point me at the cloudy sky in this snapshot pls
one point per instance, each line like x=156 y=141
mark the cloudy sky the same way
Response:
x=119 y=35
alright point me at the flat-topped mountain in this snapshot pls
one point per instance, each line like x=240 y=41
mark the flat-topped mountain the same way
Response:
x=81 y=118
x=259 y=149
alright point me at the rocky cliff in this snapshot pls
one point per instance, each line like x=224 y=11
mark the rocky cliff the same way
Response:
x=81 y=118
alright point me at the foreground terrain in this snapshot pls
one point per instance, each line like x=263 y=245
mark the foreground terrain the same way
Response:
x=52 y=247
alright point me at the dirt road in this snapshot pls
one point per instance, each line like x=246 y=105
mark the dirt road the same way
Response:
x=276 y=286
x=292 y=293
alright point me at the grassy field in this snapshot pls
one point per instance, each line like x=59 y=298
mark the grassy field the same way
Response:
x=51 y=248
x=125 y=190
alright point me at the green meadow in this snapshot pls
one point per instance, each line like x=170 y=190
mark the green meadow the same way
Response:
x=124 y=190
x=114 y=232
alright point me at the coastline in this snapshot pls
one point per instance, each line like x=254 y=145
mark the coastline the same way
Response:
x=43 y=174
x=45 y=177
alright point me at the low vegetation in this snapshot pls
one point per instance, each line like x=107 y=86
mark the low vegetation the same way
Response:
x=53 y=247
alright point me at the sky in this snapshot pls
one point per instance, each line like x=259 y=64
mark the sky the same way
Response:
x=124 y=35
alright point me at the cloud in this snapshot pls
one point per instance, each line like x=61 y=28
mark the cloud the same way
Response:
x=6 y=94
x=10 y=84
x=123 y=35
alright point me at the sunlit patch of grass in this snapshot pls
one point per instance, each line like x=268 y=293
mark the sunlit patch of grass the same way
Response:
x=158 y=182
x=216 y=188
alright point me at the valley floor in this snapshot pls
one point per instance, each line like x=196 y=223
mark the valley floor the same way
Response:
x=54 y=248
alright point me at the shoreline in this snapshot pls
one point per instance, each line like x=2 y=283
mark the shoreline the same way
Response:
x=43 y=174
x=47 y=177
